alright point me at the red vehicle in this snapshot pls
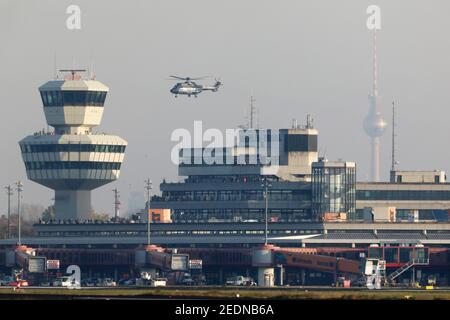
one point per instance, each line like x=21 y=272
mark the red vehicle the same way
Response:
x=18 y=283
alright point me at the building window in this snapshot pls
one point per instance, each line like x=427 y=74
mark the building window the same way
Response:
x=73 y=98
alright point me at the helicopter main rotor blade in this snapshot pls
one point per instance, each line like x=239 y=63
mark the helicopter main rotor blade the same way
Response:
x=189 y=78
x=180 y=78
x=200 y=78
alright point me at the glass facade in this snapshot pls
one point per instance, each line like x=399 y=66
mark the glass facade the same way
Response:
x=333 y=189
x=58 y=165
x=73 y=98
x=74 y=147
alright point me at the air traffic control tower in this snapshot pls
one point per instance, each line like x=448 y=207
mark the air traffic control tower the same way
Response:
x=72 y=160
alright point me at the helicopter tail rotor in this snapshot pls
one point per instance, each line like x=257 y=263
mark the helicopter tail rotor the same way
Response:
x=217 y=84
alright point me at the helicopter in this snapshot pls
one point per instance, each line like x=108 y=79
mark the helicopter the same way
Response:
x=190 y=88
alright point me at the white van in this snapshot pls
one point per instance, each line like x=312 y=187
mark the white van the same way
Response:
x=62 y=282
x=158 y=282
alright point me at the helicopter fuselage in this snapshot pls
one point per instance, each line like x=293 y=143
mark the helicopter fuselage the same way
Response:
x=189 y=87
x=186 y=89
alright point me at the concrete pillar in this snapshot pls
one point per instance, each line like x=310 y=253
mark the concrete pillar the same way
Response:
x=72 y=204
x=115 y=274
x=266 y=277
x=281 y=282
x=221 y=276
x=302 y=276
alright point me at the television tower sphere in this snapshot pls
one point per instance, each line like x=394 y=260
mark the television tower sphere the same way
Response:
x=374 y=125
x=72 y=160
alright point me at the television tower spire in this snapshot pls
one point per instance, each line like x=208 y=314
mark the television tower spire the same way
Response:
x=374 y=124
x=393 y=161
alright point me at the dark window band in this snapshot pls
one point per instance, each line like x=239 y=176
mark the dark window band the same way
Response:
x=412 y=195
x=59 y=165
x=73 y=98
x=31 y=148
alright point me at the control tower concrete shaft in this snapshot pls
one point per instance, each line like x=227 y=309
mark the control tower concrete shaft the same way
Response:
x=72 y=160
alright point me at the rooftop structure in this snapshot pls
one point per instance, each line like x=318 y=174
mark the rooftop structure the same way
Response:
x=404 y=176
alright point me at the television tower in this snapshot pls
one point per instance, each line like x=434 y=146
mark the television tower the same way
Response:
x=374 y=124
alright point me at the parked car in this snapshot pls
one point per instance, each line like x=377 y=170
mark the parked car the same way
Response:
x=105 y=282
x=108 y=282
x=63 y=282
x=127 y=282
x=88 y=282
x=187 y=282
x=158 y=282
x=240 y=281
x=18 y=283
x=5 y=281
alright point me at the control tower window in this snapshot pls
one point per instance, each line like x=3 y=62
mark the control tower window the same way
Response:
x=51 y=98
x=73 y=98
x=72 y=148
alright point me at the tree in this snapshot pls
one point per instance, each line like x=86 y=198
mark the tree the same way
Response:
x=100 y=216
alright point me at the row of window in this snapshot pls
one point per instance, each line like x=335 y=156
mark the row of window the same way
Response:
x=31 y=148
x=49 y=165
x=73 y=98
x=412 y=195
x=175 y=232
x=239 y=195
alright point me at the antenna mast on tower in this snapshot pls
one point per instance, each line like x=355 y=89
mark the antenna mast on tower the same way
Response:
x=252 y=113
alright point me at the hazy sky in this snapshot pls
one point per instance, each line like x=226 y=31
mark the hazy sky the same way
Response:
x=295 y=57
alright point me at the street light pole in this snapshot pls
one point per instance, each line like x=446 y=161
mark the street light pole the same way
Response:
x=148 y=187
x=9 y=193
x=266 y=185
x=19 y=189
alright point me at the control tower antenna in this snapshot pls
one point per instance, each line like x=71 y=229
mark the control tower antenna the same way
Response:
x=72 y=72
x=116 y=203
x=252 y=112
x=393 y=161
x=55 y=73
x=309 y=122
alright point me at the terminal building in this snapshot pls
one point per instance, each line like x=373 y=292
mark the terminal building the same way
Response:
x=303 y=187
x=321 y=222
